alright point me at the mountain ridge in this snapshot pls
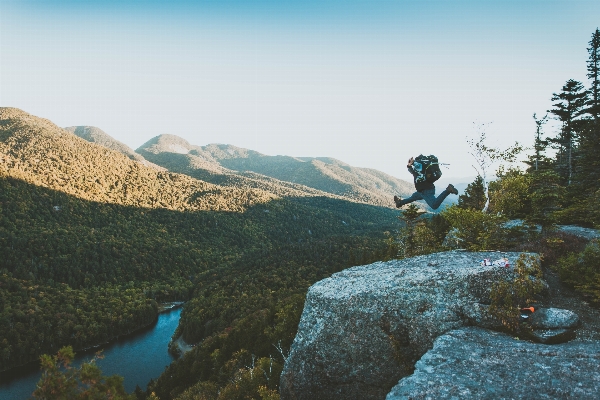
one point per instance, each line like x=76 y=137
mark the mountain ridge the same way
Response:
x=91 y=240
x=39 y=152
x=325 y=174
x=96 y=135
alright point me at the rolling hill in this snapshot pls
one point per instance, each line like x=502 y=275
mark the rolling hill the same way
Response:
x=41 y=153
x=328 y=175
x=92 y=239
x=232 y=166
x=97 y=135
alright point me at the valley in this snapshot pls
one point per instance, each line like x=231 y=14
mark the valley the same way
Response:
x=92 y=240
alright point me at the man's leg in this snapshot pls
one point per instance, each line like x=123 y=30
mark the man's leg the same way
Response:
x=434 y=203
x=414 y=197
x=429 y=197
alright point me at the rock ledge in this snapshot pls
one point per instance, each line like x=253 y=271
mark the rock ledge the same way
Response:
x=364 y=328
x=476 y=363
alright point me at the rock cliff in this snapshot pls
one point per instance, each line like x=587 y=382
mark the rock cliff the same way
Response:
x=419 y=328
x=475 y=363
x=364 y=328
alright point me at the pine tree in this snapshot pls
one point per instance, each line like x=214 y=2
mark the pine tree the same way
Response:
x=568 y=109
x=546 y=197
x=593 y=67
x=406 y=239
x=588 y=171
x=538 y=161
x=474 y=196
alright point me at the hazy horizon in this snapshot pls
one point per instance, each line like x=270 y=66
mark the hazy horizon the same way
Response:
x=368 y=83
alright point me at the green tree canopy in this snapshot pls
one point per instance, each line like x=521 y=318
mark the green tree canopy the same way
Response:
x=61 y=381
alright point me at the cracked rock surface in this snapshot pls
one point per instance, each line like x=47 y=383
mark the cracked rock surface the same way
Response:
x=364 y=328
x=477 y=363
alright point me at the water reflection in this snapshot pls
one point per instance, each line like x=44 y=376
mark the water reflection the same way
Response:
x=138 y=358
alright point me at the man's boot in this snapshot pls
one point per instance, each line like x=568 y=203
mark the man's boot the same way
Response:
x=397 y=200
x=451 y=189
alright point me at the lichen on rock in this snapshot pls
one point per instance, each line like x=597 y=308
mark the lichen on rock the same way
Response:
x=364 y=328
x=477 y=363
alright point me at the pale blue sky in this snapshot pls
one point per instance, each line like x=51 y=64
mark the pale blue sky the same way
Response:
x=368 y=82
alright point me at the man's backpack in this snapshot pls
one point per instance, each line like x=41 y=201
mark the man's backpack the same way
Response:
x=427 y=168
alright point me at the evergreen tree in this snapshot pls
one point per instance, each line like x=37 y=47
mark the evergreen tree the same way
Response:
x=406 y=239
x=474 y=196
x=538 y=161
x=546 y=197
x=568 y=110
x=439 y=226
x=593 y=67
x=588 y=169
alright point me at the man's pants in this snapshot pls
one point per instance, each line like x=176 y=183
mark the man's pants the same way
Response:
x=429 y=196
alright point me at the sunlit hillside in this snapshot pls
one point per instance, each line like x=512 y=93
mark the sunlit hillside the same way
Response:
x=98 y=136
x=37 y=151
x=92 y=240
x=328 y=175
x=208 y=171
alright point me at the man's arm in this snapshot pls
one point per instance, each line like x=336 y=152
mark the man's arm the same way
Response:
x=409 y=165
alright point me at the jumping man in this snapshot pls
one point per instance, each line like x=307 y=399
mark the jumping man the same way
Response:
x=425 y=188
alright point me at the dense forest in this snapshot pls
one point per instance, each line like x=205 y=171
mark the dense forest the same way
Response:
x=92 y=241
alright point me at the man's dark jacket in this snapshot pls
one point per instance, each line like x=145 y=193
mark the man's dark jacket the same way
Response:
x=420 y=186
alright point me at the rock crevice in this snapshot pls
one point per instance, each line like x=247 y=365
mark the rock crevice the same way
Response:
x=477 y=363
x=364 y=328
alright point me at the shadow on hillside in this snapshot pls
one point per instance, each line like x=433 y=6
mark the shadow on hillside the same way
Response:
x=53 y=243
x=40 y=223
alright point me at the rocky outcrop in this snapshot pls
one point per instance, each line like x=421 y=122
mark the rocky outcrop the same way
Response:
x=476 y=363
x=553 y=325
x=453 y=238
x=364 y=328
x=587 y=233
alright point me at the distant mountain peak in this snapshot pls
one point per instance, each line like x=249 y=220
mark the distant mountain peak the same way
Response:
x=219 y=162
x=98 y=136
x=166 y=143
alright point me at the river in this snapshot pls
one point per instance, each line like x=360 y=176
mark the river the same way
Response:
x=138 y=358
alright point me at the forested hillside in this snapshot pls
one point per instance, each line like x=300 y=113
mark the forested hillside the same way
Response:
x=92 y=240
x=39 y=152
x=98 y=136
x=217 y=163
x=176 y=159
